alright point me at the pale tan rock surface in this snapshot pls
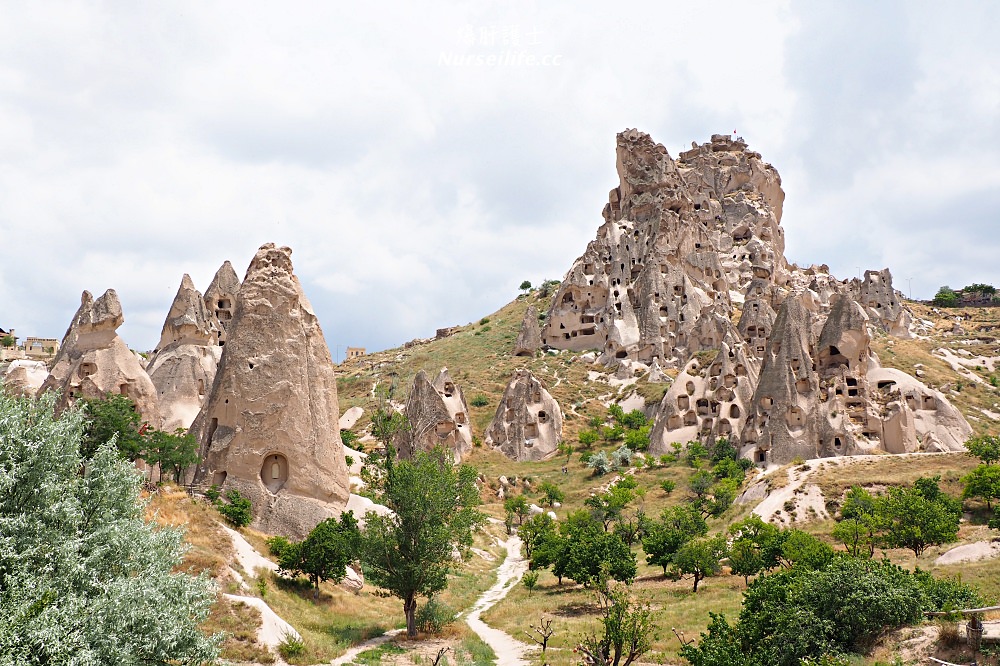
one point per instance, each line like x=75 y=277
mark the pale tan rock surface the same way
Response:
x=529 y=339
x=528 y=422
x=685 y=243
x=24 y=377
x=183 y=365
x=269 y=428
x=220 y=300
x=437 y=416
x=93 y=361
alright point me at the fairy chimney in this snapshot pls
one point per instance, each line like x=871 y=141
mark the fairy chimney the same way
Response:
x=528 y=422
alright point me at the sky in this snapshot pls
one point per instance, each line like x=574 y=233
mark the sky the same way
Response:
x=423 y=159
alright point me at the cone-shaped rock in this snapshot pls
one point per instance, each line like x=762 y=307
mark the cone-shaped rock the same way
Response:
x=93 y=361
x=24 y=377
x=183 y=366
x=437 y=416
x=220 y=299
x=528 y=421
x=529 y=340
x=270 y=426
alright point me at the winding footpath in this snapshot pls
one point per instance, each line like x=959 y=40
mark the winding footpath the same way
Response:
x=509 y=650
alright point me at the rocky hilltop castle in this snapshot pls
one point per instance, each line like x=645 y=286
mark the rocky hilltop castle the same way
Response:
x=690 y=259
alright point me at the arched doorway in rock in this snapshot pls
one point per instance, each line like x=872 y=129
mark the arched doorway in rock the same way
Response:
x=274 y=471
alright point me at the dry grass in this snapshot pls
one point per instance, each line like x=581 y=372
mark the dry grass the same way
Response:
x=240 y=623
x=210 y=547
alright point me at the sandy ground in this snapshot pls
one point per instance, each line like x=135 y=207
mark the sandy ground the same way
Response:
x=250 y=560
x=509 y=651
x=272 y=629
x=349 y=656
x=970 y=552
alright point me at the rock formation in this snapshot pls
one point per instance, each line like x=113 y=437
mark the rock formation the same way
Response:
x=528 y=421
x=23 y=377
x=529 y=340
x=183 y=364
x=220 y=299
x=687 y=242
x=437 y=415
x=93 y=361
x=269 y=428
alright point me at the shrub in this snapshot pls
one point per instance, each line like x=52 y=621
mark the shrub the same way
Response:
x=479 y=400
x=239 y=510
x=600 y=463
x=484 y=321
x=291 y=646
x=213 y=494
x=622 y=457
x=434 y=616
x=668 y=486
x=530 y=580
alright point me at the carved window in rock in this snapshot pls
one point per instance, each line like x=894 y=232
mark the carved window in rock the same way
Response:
x=460 y=419
x=725 y=427
x=542 y=417
x=795 y=418
x=734 y=411
x=674 y=422
x=530 y=430
x=87 y=369
x=690 y=419
x=761 y=456
x=449 y=389
x=929 y=403
x=702 y=406
x=443 y=429
x=766 y=402
x=802 y=386
x=274 y=472
x=689 y=387
x=683 y=402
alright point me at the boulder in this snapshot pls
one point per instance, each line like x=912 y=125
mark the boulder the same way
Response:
x=269 y=427
x=350 y=417
x=528 y=422
x=93 y=361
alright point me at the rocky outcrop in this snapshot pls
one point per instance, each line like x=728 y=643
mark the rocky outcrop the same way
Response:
x=23 y=377
x=687 y=242
x=220 y=299
x=528 y=422
x=93 y=361
x=183 y=365
x=269 y=428
x=529 y=339
x=437 y=416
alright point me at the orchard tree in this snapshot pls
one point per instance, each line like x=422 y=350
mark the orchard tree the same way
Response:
x=984 y=447
x=756 y=547
x=324 y=554
x=919 y=516
x=551 y=494
x=983 y=483
x=84 y=578
x=701 y=557
x=677 y=525
x=628 y=629
x=409 y=552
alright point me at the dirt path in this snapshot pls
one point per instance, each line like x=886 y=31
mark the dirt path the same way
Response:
x=509 y=650
x=272 y=629
x=349 y=656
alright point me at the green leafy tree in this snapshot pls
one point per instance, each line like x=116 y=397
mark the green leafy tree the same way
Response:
x=84 y=578
x=858 y=535
x=756 y=547
x=529 y=580
x=804 y=551
x=920 y=516
x=7 y=341
x=525 y=286
x=627 y=629
x=946 y=298
x=172 y=452
x=701 y=557
x=551 y=494
x=516 y=507
x=984 y=447
x=324 y=554
x=606 y=507
x=588 y=438
x=983 y=483
x=113 y=416
x=677 y=525
x=408 y=552
x=535 y=531
x=700 y=483
x=589 y=553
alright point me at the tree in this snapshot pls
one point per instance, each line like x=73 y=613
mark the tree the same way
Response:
x=606 y=507
x=803 y=550
x=920 y=516
x=535 y=531
x=551 y=493
x=677 y=525
x=700 y=483
x=983 y=483
x=109 y=417
x=172 y=452
x=525 y=286
x=588 y=438
x=756 y=547
x=409 y=552
x=701 y=557
x=84 y=578
x=946 y=297
x=627 y=629
x=588 y=554
x=984 y=447
x=517 y=506
x=7 y=341
x=324 y=554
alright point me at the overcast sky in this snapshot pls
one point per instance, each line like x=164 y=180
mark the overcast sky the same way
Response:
x=422 y=159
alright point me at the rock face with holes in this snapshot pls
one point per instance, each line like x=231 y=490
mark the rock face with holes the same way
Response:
x=528 y=422
x=93 y=361
x=689 y=244
x=220 y=300
x=183 y=364
x=529 y=339
x=438 y=416
x=269 y=427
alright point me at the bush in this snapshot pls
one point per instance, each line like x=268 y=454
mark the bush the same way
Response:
x=213 y=494
x=622 y=457
x=668 y=486
x=290 y=646
x=434 y=616
x=239 y=511
x=484 y=321
x=530 y=580
x=600 y=463
x=479 y=400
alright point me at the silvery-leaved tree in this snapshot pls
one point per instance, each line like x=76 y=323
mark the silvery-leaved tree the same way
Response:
x=84 y=578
